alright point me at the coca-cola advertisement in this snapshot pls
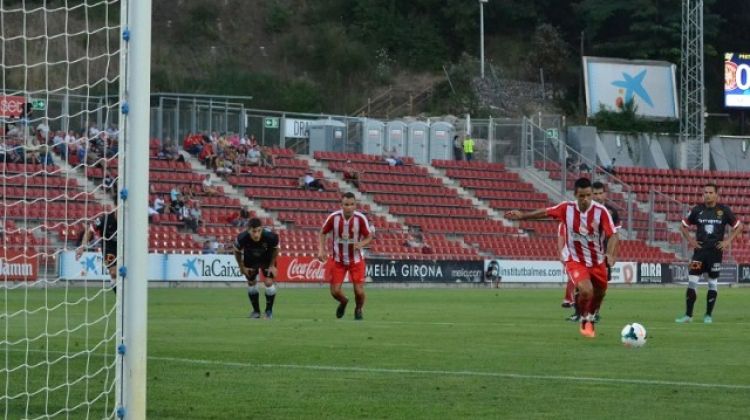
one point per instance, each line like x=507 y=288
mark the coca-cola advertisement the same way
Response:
x=300 y=269
x=15 y=265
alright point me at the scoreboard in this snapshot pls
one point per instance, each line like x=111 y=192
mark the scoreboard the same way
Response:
x=737 y=80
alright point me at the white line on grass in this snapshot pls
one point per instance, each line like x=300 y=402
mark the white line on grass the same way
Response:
x=454 y=373
x=667 y=324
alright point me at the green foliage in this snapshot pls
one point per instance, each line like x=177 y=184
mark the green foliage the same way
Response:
x=346 y=49
x=627 y=120
x=278 y=18
x=198 y=23
x=549 y=52
x=457 y=96
x=267 y=90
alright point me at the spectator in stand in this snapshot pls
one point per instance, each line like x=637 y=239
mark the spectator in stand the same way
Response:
x=241 y=218
x=174 y=193
x=468 y=148
x=151 y=213
x=191 y=216
x=350 y=174
x=169 y=150
x=208 y=155
x=208 y=186
x=234 y=140
x=582 y=166
x=176 y=206
x=458 y=152
x=58 y=144
x=222 y=146
x=111 y=145
x=110 y=183
x=309 y=182
x=392 y=158
x=254 y=156
x=193 y=144
x=267 y=158
x=159 y=204
x=187 y=192
x=224 y=167
x=207 y=248
x=113 y=132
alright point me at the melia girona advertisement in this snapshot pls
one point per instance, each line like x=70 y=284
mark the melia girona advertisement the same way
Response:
x=309 y=269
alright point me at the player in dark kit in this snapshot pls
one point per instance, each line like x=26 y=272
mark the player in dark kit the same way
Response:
x=709 y=244
x=256 y=250
x=105 y=227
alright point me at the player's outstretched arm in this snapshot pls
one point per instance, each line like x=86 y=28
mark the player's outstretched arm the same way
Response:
x=520 y=215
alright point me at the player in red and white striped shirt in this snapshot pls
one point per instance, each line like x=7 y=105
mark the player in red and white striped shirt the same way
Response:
x=587 y=225
x=350 y=232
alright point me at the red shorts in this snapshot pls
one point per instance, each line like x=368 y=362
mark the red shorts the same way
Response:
x=578 y=272
x=336 y=272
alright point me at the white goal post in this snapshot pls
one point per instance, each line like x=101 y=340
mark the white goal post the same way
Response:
x=74 y=140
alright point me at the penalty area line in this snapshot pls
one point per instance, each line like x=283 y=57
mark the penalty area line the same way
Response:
x=521 y=376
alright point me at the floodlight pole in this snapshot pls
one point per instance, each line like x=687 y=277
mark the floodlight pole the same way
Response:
x=481 y=34
x=692 y=87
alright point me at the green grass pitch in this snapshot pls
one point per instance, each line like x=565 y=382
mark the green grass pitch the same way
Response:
x=433 y=354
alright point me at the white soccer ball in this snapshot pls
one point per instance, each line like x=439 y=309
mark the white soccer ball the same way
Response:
x=633 y=335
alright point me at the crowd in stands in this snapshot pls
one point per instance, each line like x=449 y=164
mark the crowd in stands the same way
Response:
x=229 y=153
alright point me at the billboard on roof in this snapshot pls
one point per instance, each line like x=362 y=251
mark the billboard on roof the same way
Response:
x=737 y=80
x=611 y=82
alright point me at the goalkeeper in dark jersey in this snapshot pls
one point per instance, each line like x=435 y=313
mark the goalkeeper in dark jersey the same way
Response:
x=102 y=232
x=710 y=219
x=256 y=250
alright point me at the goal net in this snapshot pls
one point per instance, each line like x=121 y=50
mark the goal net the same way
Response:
x=61 y=167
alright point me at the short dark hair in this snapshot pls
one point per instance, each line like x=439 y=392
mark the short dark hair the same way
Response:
x=254 y=223
x=711 y=184
x=348 y=194
x=581 y=183
x=598 y=185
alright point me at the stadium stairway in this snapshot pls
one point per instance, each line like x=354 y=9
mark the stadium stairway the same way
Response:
x=467 y=194
x=338 y=180
x=231 y=190
x=89 y=183
x=430 y=205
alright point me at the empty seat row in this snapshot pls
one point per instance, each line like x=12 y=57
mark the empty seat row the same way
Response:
x=474 y=165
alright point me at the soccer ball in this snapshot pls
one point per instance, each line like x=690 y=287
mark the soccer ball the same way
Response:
x=633 y=335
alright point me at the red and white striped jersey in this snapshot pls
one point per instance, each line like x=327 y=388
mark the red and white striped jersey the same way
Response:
x=345 y=234
x=585 y=232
